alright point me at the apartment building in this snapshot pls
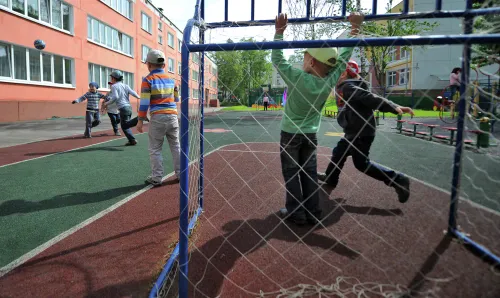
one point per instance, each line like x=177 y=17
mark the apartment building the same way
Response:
x=85 y=41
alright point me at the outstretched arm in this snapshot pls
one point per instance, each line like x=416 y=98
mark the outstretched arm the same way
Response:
x=345 y=54
x=133 y=93
x=290 y=74
x=82 y=98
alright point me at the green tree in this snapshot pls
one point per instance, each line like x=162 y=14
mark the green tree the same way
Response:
x=486 y=54
x=319 y=8
x=379 y=57
x=240 y=71
x=230 y=73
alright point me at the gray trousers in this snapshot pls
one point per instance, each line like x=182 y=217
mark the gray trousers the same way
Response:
x=161 y=126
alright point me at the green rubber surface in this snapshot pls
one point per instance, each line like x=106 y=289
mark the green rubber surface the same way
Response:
x=44 y=197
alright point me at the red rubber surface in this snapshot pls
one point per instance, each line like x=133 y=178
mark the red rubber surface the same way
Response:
x=241 y=247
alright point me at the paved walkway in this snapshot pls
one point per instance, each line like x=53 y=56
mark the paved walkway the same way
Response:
x=16 y=133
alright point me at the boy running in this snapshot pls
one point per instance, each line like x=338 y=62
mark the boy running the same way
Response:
x=308 y=90
x=356 y=106
x=92 y=117
x=120 y=94
x=113 y=114
x=158 y=94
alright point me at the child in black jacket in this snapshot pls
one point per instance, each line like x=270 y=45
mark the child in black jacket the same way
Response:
x=356 y=105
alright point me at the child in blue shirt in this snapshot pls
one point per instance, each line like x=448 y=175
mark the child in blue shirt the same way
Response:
x=92 y=117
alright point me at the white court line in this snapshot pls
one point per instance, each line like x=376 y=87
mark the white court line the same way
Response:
x=9 y=267
x=74 y=149
x=29 y=255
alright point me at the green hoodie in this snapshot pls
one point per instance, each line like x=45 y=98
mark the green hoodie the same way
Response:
x=306 y=94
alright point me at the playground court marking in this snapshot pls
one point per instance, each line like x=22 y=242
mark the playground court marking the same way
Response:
x=217 y=130
x=27 y=256
x=334 y=134
x=19 y=261
x=51 y=154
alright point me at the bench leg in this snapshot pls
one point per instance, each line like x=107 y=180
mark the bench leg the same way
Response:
x=431 y=131
x=452 y=135
x=414 y=130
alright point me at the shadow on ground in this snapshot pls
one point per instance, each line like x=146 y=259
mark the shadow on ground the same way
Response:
x=65 y=200
x=241 y=238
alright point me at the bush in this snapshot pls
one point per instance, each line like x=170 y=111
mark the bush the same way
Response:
x=421 y=103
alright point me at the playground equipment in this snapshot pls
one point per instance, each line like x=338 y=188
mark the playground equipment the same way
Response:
x=192 y=183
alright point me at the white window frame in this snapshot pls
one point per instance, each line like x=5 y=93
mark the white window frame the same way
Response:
x=104 y=43
x=28 y=80
x=401 y=51
x=160 y=25
x=179 y=68
x=39 y=20
x=179 y=44
x=170 y=37
x=144 y=54
x=196 y=58
x=119 y=2
x=391 y=75
x=195 y=78
x=149 y=25
x=128 y=76
x=160 y=39
x=171 y=62
x=404 y=73
x=392 y=54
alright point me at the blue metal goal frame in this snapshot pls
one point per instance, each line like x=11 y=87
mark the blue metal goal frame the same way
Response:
x=466 y=39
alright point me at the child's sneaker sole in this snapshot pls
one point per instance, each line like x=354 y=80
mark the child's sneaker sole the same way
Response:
x=150 y=181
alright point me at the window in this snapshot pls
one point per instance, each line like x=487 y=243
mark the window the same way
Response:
x=145 y=51
x=404 y=53
x=146 y=22
x=392 y=54
x=53 y=12
x=171 y=65
x=160 y=39
x=214 y=70
x=35 y=65
x=214 y=84
x=56 y=13
x=159 y=25
x=170 y=40
x=5 y=61
x=195 y=75
x=108 y=36
x=100 y=74
x=18 y=6
x=391 y=78
x=404 y=76
x=47 y=67
x=196 y=93
x=196 y=58
x=123 y=7
x=33 y=9
x=179 y=41
x=30 y=65
x=179 y=67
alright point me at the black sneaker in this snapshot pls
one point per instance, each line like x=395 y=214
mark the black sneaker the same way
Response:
x=402 y=186
x=131 y=143
x=323 y=177
x=314 y=219
x=293 y=218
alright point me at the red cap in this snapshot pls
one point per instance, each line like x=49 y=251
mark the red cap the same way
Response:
x=352 y=68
